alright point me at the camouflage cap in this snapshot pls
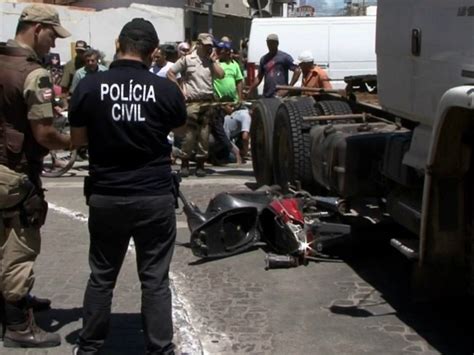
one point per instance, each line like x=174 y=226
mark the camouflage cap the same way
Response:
x=44 y=14
x=206 y=39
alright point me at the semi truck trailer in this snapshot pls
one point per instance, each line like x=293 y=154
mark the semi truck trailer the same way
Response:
x=406 y=156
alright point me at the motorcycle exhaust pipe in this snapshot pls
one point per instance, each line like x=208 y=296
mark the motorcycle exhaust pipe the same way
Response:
x=274 y=261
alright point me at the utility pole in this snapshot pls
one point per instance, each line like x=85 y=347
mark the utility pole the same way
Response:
x=210 y=4
x=259 y=8
x=285 y=9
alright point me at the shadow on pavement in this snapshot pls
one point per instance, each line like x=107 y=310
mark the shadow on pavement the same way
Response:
x=354 y=311
x=232 y=172
x=55 y=319
x=202 y=261
x=446 y=326
x=125 y=336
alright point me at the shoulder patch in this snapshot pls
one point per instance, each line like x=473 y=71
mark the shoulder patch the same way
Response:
x=47 y=94
x=44 y=83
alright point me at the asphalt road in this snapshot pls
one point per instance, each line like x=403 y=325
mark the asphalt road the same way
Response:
x=356 y=304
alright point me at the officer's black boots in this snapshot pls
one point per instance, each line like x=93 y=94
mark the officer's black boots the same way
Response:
x=200 y=171
x=184 y=168
x=22 y=331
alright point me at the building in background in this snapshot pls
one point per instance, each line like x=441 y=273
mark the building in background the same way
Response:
x=358 y=7
x=339 y=7
x=99 y=27
x=108 y=4
x=230 y=17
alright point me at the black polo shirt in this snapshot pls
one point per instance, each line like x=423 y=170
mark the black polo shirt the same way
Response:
x=128 y=113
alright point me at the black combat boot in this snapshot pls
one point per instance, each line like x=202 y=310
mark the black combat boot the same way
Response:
x=26 y=334
x=184 y=172
x=200 y=171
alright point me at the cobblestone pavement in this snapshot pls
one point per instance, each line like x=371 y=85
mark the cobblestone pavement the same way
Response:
x=354 y=305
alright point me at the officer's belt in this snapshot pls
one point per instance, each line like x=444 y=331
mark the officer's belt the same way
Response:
x=211 y=103
x=200 y=100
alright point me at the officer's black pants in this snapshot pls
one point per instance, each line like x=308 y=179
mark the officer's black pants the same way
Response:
x=151 y=222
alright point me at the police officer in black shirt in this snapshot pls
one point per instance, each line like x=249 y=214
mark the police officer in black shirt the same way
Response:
x=125 y=115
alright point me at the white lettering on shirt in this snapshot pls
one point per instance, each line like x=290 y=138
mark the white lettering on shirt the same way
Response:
x=127 y=100
x=116 y=117
x=127 y=112
x=151 y=94
x=136 y=96
x=104 y=90
x=114 y=92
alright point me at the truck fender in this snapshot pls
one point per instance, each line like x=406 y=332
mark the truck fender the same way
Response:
x=442 y=223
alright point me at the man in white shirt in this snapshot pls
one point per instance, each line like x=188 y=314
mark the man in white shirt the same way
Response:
x=163 y=60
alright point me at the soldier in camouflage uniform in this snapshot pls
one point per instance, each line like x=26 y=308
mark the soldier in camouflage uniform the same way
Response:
x=197 y=71
x=26 y=134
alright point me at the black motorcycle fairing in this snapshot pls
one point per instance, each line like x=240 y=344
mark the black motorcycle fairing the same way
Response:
x=226 y=233
x=230 y=200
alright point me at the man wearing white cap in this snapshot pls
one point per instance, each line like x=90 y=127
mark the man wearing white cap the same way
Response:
x=274 y=67
x=26 y=118
x=183 y=49
x=313 y=76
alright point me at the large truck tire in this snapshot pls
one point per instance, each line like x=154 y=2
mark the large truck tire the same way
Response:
x=291 y=143
x=333 y=107
x=261 y=138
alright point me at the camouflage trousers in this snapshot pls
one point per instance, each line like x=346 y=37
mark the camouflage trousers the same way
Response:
x=196 y=139
x=19 y=247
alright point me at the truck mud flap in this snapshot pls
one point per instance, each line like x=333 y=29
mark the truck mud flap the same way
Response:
x=227 y=233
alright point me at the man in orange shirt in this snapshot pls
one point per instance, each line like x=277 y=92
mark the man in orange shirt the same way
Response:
x=313 y=76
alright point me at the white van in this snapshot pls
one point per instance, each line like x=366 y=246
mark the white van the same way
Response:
x=343 y=45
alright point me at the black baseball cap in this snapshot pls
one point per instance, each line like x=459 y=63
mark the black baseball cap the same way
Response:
x=81 y=45
x=140 y=29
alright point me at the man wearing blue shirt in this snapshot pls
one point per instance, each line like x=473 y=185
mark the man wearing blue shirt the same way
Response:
x=274 y=67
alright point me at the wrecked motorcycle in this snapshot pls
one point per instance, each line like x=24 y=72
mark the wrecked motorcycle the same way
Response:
x=292 y=225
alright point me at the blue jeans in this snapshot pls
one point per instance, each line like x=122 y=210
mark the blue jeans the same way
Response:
x=236 y=123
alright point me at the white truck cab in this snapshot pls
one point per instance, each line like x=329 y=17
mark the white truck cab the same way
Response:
x=425 y=59
x=424 y=48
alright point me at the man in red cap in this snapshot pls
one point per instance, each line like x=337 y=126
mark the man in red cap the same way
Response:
x=26 y=121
